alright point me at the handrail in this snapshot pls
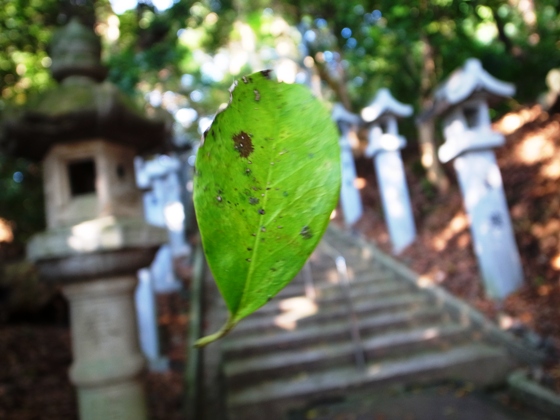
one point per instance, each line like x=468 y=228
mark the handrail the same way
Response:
x=193 y=356
x=342 y=270
x=310 y=292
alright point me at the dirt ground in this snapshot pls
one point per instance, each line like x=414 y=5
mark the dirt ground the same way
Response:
x=34 y=361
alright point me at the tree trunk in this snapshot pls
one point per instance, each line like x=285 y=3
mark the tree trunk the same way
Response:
x=426 y=131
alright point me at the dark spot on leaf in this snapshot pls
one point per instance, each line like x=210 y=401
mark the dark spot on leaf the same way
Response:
x=248 y=260
x=253 y=234
x=266 y=73
x=257 y=95
x=247 y=171
x=250 y=80
x=205 y=134
x=285 y=193
x=272 y=269
x=243 y=144
x=261 y=211
x=268 y=188
x=244 y=80
x=263 y=229
x=306 y=232
x=253 y=200
x=212 y=132
x=249 y=249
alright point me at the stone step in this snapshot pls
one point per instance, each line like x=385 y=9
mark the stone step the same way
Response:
x=477 y=363
x=306 y=312
x=335 y=294
x=329 y=355
x=338 y=330
x=297 y=286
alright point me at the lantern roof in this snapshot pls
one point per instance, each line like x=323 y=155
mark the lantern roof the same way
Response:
x=82 y=106
x=464 y=83
x=385 y=104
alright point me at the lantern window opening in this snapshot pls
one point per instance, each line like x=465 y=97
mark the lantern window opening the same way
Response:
x=82 y=176
x=121 y=172
x=471 y=113
x=384 y=126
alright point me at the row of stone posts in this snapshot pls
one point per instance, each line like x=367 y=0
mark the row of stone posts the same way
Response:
x=462 y=102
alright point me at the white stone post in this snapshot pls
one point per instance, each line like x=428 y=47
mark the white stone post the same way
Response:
x=107 y=360
x=146 y=312
x=163 y=207
x=469 y=140
x=350 y=199
x=384 y=144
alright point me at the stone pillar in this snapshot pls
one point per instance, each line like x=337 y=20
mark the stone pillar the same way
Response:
x=86 y=135
x=350 y=199
x=469 y=141
x=107 y=359
x=384 y=144
x=462 y=100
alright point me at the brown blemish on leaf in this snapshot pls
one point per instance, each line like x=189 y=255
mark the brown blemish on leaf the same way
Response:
x=306 y=232
x=243 y=144
x=253 y=200
x=261 y=211
x=266 y=73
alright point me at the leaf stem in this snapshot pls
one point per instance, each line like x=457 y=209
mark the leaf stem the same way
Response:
x=228 y=326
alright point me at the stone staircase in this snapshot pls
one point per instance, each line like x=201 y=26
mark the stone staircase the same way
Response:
x=324 y=340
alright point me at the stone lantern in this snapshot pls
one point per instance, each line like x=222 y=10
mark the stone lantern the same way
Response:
x=469 y=140
x=350 y=199
x=384 y=146
x=87 y=134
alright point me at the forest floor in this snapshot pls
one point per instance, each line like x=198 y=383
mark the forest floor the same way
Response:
x=35 y=356
x=443 y=251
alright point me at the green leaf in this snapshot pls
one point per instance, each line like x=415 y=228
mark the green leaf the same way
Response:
x=267 y=179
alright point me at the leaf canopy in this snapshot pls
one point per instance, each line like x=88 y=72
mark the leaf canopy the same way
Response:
x=267 y=179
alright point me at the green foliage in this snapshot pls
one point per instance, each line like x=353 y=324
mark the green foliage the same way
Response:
x=267 y=180
x=21 y=197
